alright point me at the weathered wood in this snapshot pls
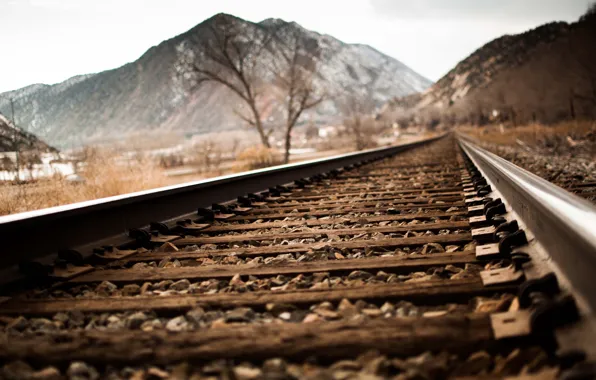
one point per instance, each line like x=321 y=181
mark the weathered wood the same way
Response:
x=338 y=232
x=346 y=193
x=345 y=210
x=293 y=248
x=321 y=222
x=418 y=165
x=360 y=198
x=393 y=336
x=353 y=204
x=388 y=177
x=393 y=264
x=358 y=185
x=427 y=293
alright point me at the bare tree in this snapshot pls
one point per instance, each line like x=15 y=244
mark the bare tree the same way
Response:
x=229 y=54
x=295 y=72
x=209 y=156
x=358 y=120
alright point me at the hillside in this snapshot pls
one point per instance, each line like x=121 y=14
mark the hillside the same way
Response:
x=145 y=95
x=12 y=138
x=546 y=74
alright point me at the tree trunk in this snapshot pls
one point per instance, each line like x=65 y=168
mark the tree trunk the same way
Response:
x=288 y=145
x=259 y=124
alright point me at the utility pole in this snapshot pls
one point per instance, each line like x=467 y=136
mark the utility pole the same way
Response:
x=16 y=139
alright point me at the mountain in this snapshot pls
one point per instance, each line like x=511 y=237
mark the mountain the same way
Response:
x=146 y=95
x=546 y=74
x=12 y=138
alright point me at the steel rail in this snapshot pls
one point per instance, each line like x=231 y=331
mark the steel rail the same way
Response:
x=563 y=223
x=36 y=234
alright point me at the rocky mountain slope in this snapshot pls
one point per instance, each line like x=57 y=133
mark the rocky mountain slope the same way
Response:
x=12 y=138
x=146 y=95
x=546 y=74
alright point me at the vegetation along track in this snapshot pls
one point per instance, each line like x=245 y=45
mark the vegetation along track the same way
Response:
x=412 y=266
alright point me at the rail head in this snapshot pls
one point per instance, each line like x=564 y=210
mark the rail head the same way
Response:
x=564 y=223
x=35 y=234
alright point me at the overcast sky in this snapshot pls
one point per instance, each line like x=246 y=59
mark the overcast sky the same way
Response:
x=48 y=41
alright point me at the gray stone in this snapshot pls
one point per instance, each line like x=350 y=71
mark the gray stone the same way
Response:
x=241 y=314
x=43 y=324
x=16 y=370
x=177 y=324
x=247 y=373
x=359 y=275
x=131 y=290
x=196 y=315
x=105 y=288
x=162 y=285
x=180 y=285
x=81 y=371
x=135 y=320
x=18 y=324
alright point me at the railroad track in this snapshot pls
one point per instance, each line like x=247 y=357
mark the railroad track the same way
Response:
x=424 y=261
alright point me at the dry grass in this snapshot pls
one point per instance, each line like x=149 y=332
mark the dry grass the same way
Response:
x=257 y=157
x=558 y=137
x=103 y=177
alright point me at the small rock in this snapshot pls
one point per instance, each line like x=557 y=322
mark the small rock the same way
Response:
x=19 y=324
x=470 y=247
x=196 y=315
x=150 y=325
x=320 y=276
x=326 y=313
x=431 y=277
x=372 y=312
x=145 y=288
x=42 y=324
x=168 y=247
x=346 y=365
x=387 y=308
x=135 y=320
x=432 y=248
x=311 y=318
x=451 y=248
x=434 y=314
x=163 y=285
x=236 y=280
x=180 y=285
x=274 y=365
x=241 y=314
x=105 y=288
x=339 y=256
x=453 y=269
x=491 y=306
x=177 y=324
x=247 y=373
x=277 y=308
x=131 y=290
x=359 y=275
x=48 y=373
x=477 y=363
x=156 y=372
x=512 y=364
x=61 y=317
x=16 y=370
x=286 y=316
x=81 y=371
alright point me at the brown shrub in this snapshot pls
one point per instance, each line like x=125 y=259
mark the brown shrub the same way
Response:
x=257 y=157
